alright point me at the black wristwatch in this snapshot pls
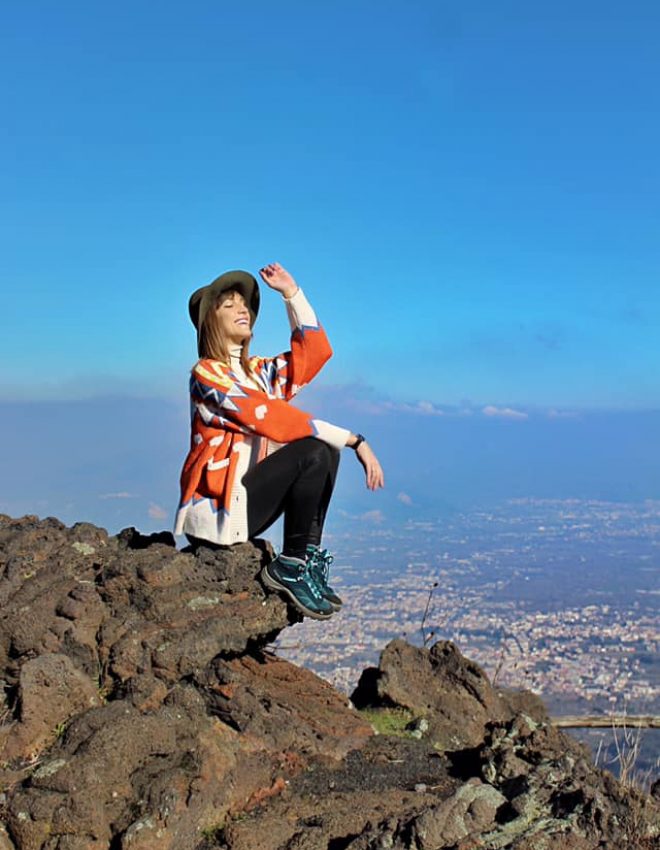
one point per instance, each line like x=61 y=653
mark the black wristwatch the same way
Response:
x=360 y=439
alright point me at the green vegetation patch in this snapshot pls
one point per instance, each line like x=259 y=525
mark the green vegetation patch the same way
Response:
x=389 y=721
x=214 y=831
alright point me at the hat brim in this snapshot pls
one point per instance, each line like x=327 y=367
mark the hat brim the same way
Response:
x=203 y=298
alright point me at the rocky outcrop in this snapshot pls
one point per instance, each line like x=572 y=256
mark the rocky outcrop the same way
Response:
x=121 y=611
x=143 y=710
x=484 y=773
x=283 y=706
x=140 y=706
x=441 y=685
x=553 y=789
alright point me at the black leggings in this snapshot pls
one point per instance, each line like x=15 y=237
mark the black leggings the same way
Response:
x=296 y=480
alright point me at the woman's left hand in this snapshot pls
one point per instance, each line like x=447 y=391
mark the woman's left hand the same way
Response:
x=372 y=469
x=279 y=279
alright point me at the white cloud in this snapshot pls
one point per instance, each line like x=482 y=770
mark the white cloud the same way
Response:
x=121 y=495
x=373 y=516
x=428 y=408
x=366 y=399
x=156 y=512
x=504 y=412
x=404 y=498
x=421 y=408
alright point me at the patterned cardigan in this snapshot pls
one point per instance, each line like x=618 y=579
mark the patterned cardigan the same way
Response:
x=235 y=419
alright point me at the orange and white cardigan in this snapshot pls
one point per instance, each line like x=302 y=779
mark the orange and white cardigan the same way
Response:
x=237 y=419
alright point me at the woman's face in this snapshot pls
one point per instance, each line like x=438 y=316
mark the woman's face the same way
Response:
x=234 y=317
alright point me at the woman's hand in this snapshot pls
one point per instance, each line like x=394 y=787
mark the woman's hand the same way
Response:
x=279 y=279
x=372 y=469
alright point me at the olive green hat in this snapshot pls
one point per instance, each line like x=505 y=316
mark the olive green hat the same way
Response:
x=204 y=297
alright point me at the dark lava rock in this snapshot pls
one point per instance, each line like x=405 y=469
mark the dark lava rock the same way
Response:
x=140 y=710
x=547 y=776
x=118 y=612
x=259 y=696
x=450 y=691
x=105 y=737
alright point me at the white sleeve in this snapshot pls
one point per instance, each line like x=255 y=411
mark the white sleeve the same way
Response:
x=301 y=315
x=331 y=434
x=300 y=312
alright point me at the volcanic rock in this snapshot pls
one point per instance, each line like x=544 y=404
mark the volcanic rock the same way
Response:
x=260 y=696
x=143 y=710
x=441 y=685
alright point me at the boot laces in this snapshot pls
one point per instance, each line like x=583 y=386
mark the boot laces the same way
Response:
x=322 y=559
x=312 y=579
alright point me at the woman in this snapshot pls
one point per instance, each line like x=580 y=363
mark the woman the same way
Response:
x=253 y=456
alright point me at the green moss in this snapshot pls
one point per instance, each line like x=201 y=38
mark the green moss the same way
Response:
x=389 y=721
x=213 y=831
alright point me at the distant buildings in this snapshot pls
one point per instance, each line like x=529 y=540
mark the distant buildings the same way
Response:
x=558 y=597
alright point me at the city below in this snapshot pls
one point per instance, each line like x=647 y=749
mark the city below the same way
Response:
x=556 y=596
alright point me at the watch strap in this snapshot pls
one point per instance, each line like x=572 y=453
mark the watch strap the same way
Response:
x=360 y=439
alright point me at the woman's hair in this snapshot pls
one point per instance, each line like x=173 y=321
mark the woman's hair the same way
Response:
x=213 y=343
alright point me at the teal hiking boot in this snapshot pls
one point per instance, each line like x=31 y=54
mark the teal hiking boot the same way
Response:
x=318 y=564
x=292 y=576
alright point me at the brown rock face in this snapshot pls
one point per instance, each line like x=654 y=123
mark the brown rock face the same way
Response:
x=52 y=690
x=117 y=612
x=142 y=711
x=261 y=698
x=440 y=684
x=117 y=657
x=120 y=772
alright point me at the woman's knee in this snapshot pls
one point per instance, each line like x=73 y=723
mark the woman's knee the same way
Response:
x=318 y=453
x=335 y=454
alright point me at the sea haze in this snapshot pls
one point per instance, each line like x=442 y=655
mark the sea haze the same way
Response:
x=116 y=461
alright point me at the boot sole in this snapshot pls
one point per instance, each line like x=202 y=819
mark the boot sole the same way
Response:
x=308 y=612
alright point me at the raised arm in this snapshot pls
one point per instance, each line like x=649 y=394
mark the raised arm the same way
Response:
x=310 y=348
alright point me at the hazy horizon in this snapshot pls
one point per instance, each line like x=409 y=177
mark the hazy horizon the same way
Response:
x=116 y=461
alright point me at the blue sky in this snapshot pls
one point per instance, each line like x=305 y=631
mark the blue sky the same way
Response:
x=467 y=191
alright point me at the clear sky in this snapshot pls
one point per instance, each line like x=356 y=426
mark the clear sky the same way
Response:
x=469 y=192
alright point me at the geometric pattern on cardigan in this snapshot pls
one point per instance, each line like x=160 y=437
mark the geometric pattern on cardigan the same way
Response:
x=227 y=415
